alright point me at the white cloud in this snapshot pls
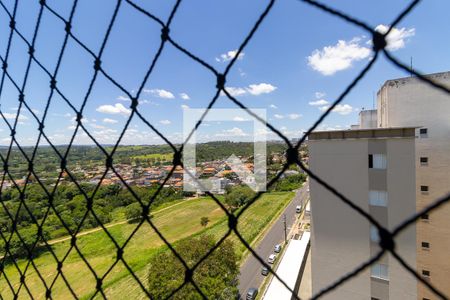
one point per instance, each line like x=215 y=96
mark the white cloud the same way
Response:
x=235 y=91
x=110 y=121
x=235 y=131
x=239 y=119
x=273 y=106
x=67 y=115
x=184 y=106
x=318 y=102
x=161 y=93
x=252 y=89
x=12 y=116
x=342 y=109
x=117 y=108
x=261 y=88
x=229 y=56
x=396 y=38
x=294 y=116
x=123 y=98
x=184 y=96
x=332 y=59
x=165 y=122
x=277 y=116
x=320 y=95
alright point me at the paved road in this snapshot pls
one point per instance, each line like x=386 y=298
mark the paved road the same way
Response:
x=251 y=269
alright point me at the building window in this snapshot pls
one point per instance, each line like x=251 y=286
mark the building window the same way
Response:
x=424 y=188
x=425 y=217
x=377 y=161
x=379 y=271
x=426 y=245
x=424 y=161
x=423 y=132
x=378 y=198
x=425 y=273
x=374 y=237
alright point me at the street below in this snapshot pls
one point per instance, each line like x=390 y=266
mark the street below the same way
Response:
x=250 y=276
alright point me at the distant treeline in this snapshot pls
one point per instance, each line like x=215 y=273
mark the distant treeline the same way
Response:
x=47 y=162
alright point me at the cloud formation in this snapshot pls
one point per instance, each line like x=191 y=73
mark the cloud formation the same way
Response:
x=165 y=122
x=115 y=109
x=12 y=116
x=294 y=116
x=229 y=56
x=334 y=58
x=184 y=96
x=160 y=93
x=236 y=91
x=278 y=116
x=319 y=102
x=261 y=88
x=341 y=56
x=342 y=109
x=110 y=121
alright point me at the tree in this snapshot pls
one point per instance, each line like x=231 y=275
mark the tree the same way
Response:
x=216 y=276
x=133 y=212
x=204 y=221
x=238 y=196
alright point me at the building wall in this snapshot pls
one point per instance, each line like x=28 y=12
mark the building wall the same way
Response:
x=409 y=102
x=368 y=119
x=340 y=238
x=339 y=241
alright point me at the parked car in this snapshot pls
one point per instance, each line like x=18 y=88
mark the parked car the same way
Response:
x=298 y=209
x=271 y=258
x=277 y=248
x=251 y=293
x=264 y=271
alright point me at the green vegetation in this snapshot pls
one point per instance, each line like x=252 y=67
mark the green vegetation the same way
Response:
x=176 y=222
x=238 y=196
x=214 y=276
x=289 y=183
x=72 y=207
x=47 y=163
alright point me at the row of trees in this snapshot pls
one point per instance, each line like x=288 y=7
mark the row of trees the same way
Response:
x=238 y=196
x=70 y=207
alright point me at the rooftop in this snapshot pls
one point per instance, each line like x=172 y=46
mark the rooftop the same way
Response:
x=393 y=132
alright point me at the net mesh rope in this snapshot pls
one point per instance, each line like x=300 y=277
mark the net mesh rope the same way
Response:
x=387 y=241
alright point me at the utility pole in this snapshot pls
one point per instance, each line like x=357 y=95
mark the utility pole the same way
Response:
x=285 y=229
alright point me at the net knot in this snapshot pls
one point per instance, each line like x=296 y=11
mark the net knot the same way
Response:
x=379 y=41
x=386 y=240
x=220 y=81
x=165 y=33
x=291 y=156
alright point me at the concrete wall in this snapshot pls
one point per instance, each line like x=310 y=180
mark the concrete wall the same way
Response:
x=409 y=102
x=340 y=238
x=368 y=119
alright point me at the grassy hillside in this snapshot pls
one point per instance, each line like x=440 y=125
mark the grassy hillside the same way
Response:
x=175 y=223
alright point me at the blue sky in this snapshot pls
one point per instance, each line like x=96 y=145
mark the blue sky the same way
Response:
x=298 y=61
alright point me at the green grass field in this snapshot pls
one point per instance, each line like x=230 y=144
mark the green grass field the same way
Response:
x=175 y=223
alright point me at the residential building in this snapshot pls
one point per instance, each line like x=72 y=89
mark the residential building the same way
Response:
x=390 y=168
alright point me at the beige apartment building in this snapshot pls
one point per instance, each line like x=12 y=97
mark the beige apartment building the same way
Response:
x=395 y=162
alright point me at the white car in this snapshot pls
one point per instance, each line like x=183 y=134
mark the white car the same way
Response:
x=271 y=258
x=277 y=248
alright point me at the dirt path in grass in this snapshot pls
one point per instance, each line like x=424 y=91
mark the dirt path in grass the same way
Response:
x=86 y=232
